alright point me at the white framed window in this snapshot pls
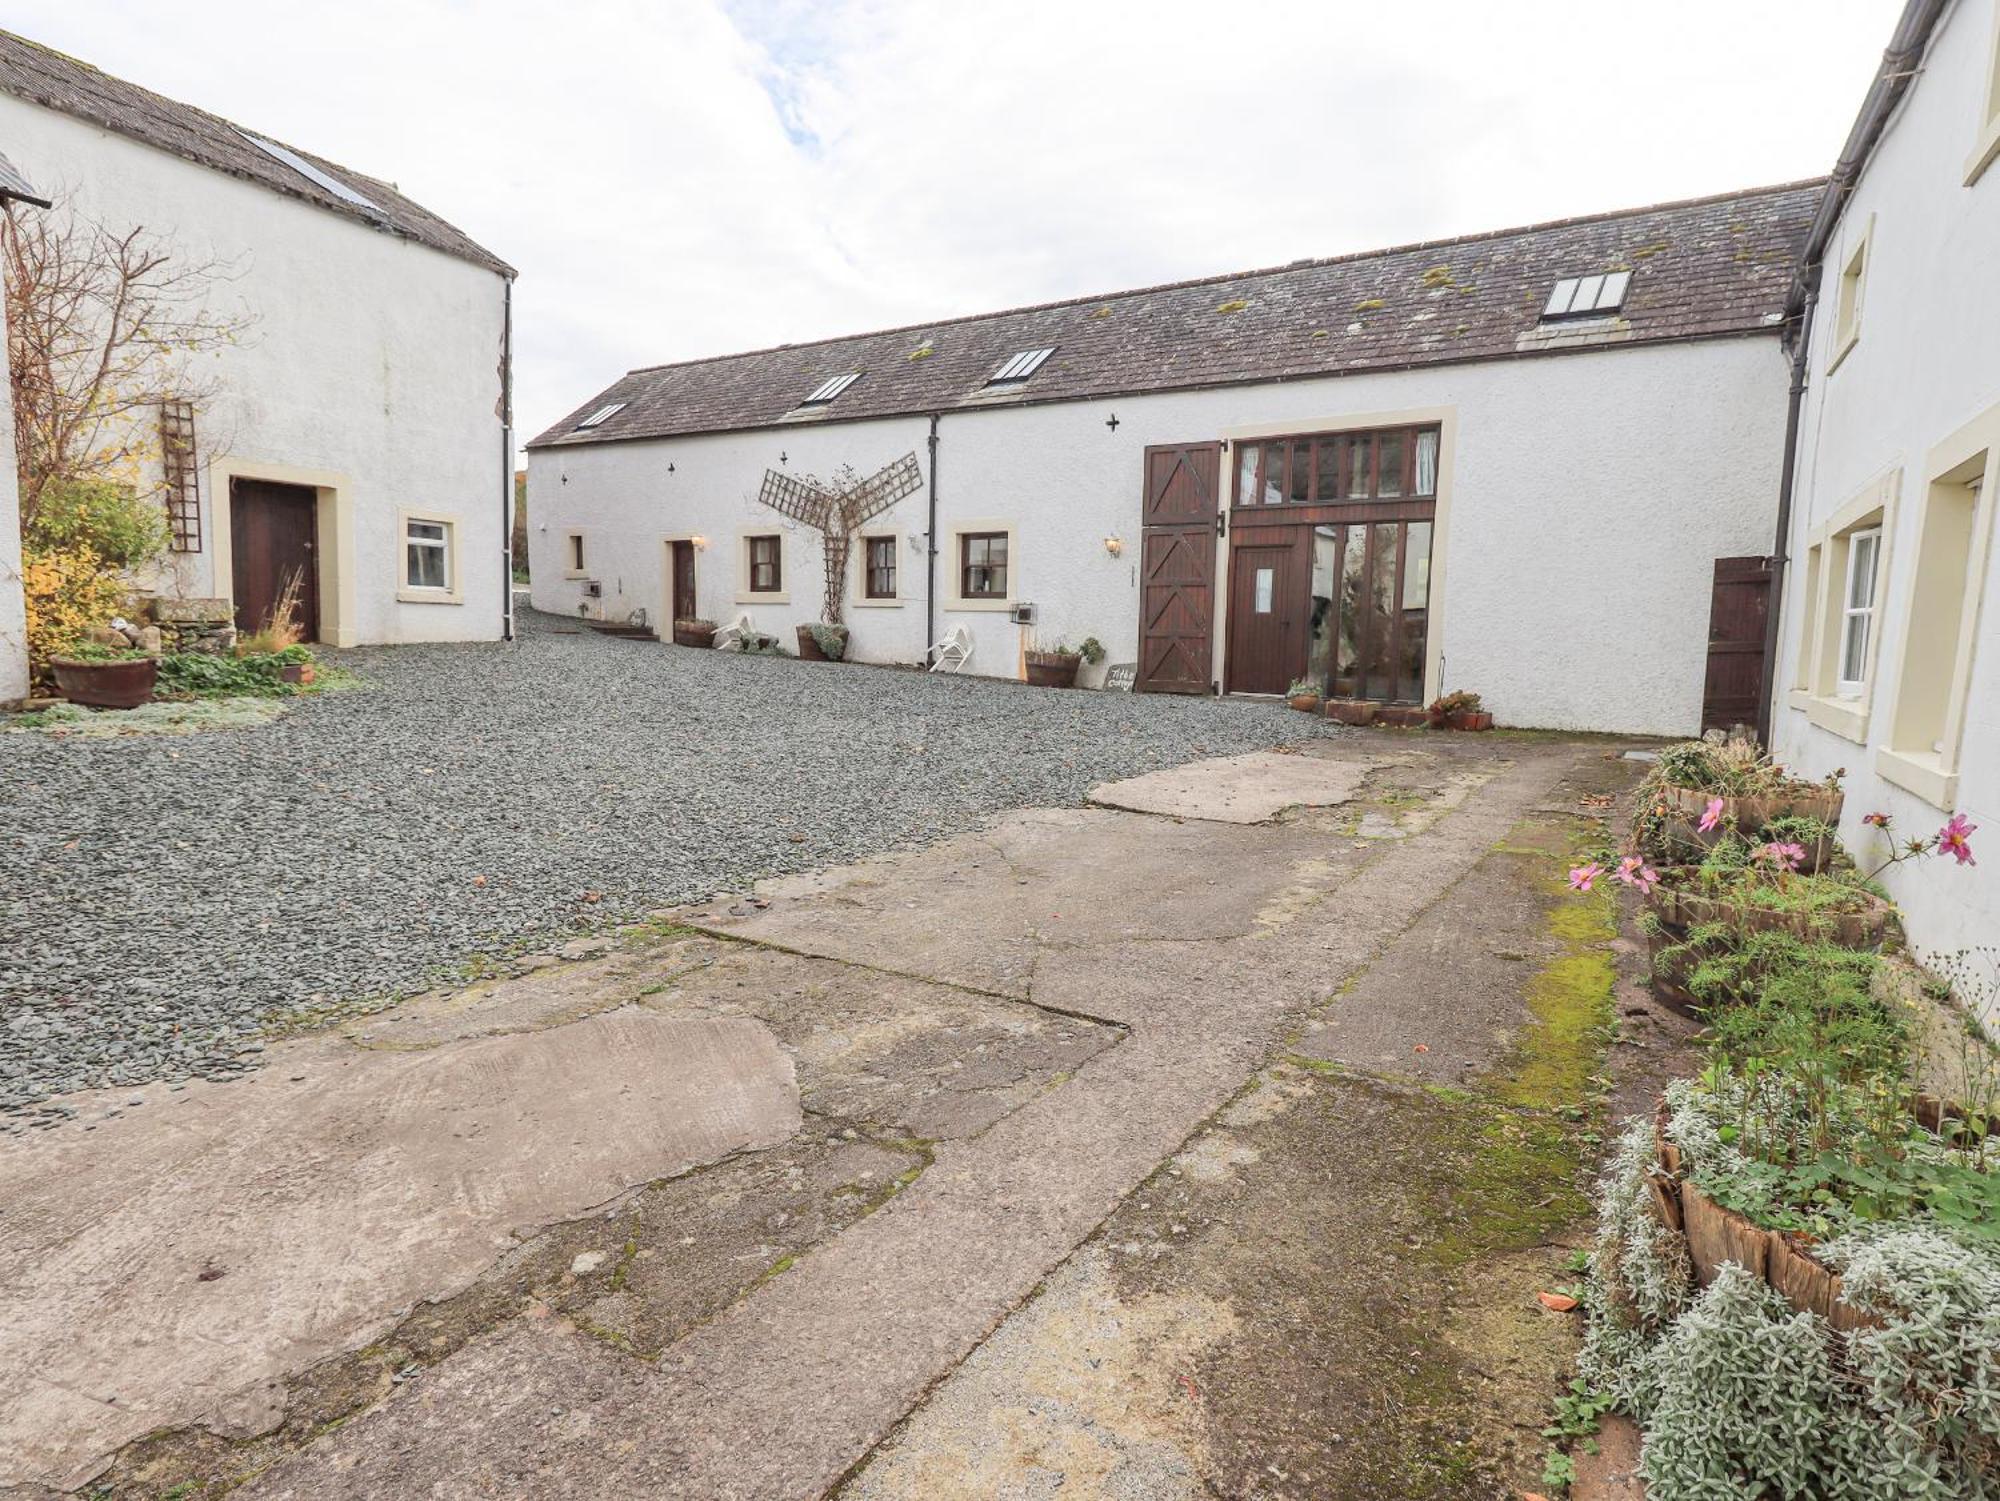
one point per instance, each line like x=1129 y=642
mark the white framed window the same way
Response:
x=430 y=559
x=1857 y=612
x=982 y=559
x=1986 y=143
x=1848 y=295
x=761 y=567
x=878 y=569
x=1596 y=296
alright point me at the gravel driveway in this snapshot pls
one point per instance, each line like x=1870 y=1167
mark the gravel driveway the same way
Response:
x=161 y=898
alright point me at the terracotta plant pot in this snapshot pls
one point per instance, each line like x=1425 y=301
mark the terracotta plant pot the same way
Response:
x=699 y=633
x=1472 y=719
x=1305 y=703
x=292 y=672
x=107 y=685
x=1053 y=669
x=1354 y=711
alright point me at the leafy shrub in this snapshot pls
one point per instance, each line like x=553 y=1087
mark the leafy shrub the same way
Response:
x=201 y=675
x=68 y=590
x=106 y=518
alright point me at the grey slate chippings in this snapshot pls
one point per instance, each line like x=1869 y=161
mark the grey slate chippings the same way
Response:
x=163 y=900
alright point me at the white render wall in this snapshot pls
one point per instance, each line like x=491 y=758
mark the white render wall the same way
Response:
x=13 y=620
x=1590 y=493
x=373 y=361
x=1924 y=366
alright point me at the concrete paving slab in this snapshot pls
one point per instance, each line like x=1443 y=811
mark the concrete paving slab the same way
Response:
x=1253 y=788
x=176 y=1261
x=781 y=1395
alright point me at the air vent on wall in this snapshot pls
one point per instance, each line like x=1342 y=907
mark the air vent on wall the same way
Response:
x=1024 y=614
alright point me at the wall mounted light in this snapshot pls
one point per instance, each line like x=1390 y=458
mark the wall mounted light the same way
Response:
x=700 y=543
x=1114 y=545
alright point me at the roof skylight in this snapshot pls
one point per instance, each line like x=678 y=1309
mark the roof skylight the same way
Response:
x=601 y=415
x=311 y=173
x=1020 y=367
x=827 y=390
x=1588 y=296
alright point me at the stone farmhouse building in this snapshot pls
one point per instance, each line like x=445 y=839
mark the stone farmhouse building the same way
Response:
x=1889 y=656
x=1516 y=463
x=354 y=435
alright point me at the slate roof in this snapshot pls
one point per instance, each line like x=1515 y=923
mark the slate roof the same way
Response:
x=49 y=78
x=1705 y=268
x=14 y=185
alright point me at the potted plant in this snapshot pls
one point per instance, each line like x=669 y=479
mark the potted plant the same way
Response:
x=822 y=642
x=1053 y=666
x=689 y=631
x=103 y=677
x=1458 y=710
x=1303 y=695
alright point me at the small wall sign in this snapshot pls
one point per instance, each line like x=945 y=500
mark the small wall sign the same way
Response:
x=1120 y=677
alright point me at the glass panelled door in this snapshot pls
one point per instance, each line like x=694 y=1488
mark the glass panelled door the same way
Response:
x=1371 y=609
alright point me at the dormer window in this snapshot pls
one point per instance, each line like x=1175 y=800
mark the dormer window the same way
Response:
x=1020 y=367
x=602 y=415
x=1587 y=296
x=827 y=390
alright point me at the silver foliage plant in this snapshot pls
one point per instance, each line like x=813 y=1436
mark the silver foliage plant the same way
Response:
x=1741 y=1396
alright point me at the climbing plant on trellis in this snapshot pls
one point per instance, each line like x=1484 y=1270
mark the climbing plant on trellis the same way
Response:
x=838 y=510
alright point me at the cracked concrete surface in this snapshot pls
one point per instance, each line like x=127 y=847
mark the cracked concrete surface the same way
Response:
x=1015 y=1052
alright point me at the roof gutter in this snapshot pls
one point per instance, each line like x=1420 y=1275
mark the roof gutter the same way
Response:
x=931 y=552
x=1900 y=64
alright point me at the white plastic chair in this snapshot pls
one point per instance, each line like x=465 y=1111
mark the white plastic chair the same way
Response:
x=734 y=633
x=953 y=652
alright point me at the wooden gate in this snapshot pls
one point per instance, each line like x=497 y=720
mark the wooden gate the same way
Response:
x=273 y=531
x=1734 y=685
x=1177 y=568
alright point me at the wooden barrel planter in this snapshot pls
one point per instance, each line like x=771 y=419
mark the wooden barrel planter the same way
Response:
x=1751 y=814
x=699 y=633
x=1782 y=1259
x=809 y=646
x=1865 y=928
x=122 y=683
x=1053 y=669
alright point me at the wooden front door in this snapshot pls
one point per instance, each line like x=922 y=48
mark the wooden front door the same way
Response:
x=1268 y=615
x=684 y=607
x=1177 y=568
x=273 y=534
x=1738 y=601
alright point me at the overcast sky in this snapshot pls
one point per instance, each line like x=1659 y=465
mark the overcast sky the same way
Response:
x=676 y=178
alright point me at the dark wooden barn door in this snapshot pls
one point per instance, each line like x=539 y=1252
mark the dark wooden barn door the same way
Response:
x=1269 y=611
x=1177 y=568
x=1736 y=616
x=684 y=602
x=273 y=531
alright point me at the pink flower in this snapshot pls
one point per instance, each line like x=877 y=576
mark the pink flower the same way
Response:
x=1713 y=815
x=1646 y=880
x=1879 y=820
x=1785 y=856
x=1584 y=875
x=1628 y=869
x=1955 y=839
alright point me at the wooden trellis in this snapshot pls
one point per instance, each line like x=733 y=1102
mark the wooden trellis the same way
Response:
x=838 y=514
x=183 y=487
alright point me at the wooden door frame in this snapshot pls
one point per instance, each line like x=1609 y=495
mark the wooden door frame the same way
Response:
x=1298 y=541
x=1444 y=418
x=333 y=545
x=664 y=629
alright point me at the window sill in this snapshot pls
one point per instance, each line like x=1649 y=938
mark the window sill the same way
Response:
x=1842 y=350
x=1984 y=154
x=1845 y=717
x=576 y=573
x=979 y=604
x=1921 y=772
x=878 y=604
x=747 y=598
x=429 y=597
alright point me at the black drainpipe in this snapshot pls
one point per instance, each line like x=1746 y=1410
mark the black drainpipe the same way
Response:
x=507 y=460
x=1900 y=62
x=930 y=544
x=1780 y=553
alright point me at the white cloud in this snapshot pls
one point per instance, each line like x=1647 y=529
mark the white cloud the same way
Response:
x=694 y=177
